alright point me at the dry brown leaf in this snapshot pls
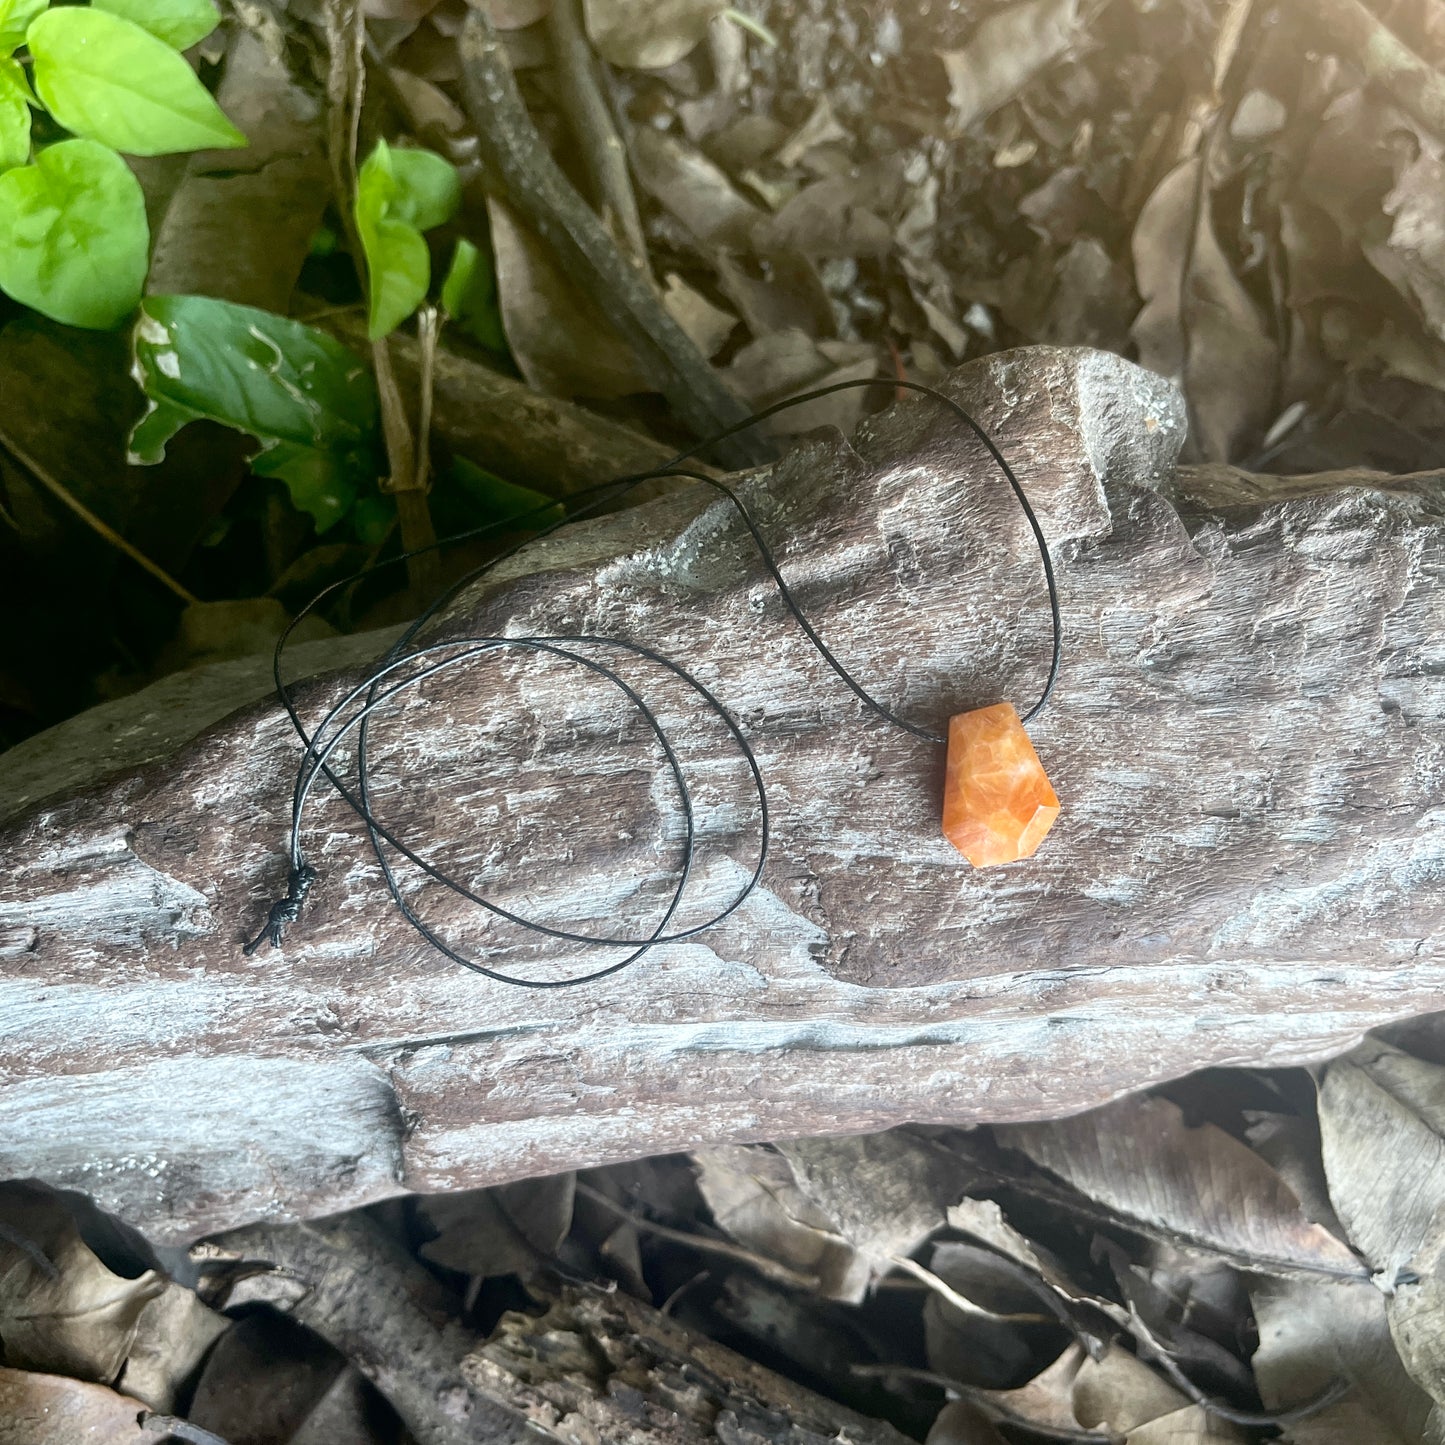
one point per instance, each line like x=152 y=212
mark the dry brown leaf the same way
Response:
x=507 y=1230
x=1008 y=49
x=960 y=1423
x=648 y=34
x=429 y=108
x=755 y=1198
x=53 y=1410
x=1382 y=1132
x=1416 y=242
x=839 y=216
x=240 y=223
x=820 y=128
x=1382 y=1126
x=791 y=297
x=784 y=363
x=682 y=180
x=61 y=1309
x=1290 y=1145
x=707 y=326
x=172 y=1336
x=1123 y=1395
x=1196 y=1188
x=883 y=1193
x=1047 y=1401
x=1311 y=1334
x=561 y=342
x=1202 y=330
x=410 y=10
x=998 y=1341
x=512 y=14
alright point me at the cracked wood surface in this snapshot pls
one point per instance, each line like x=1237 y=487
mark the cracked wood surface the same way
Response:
x=1246 y=741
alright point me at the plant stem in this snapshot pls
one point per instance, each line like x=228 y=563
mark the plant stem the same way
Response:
x=61 y=493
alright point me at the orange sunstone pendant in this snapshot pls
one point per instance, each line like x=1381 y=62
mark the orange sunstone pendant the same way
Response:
x=997 y=800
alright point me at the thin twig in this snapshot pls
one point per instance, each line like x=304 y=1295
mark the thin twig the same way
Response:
x=983 y=1400
x=428 y=332
x=590 y=119
x=103 y=529
x=522 y=170
x=1148 y=1346
x=178 y=1429
x=770 y=1268
x=962 y=1303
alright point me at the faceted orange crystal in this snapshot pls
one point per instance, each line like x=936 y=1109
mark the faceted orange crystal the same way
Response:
x=997 y=799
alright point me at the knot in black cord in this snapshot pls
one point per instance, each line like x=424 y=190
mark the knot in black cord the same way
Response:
x=285 y=910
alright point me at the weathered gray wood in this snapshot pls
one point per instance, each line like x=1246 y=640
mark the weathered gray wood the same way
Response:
x=597 y=1365
x=1246 y=740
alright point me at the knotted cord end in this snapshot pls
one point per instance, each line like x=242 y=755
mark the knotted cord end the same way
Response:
x=286 y=910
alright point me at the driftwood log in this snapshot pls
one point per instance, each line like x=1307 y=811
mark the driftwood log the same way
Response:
x=1247 y=741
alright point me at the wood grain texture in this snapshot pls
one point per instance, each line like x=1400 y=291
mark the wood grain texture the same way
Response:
x=1246 y=742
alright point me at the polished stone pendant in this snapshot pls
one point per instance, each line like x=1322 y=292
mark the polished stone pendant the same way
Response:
x=997 y=799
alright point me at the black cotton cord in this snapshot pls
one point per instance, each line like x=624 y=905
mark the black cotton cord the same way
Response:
x=403 y=667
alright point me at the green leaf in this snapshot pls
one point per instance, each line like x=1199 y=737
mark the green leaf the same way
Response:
x=106 y=78
x=15 y=18
x=322 y=484
x=308 y=401
x=180 y=23
x=428 y=189
x=15 y=102
x=399 y=194
x=73 y=235
x=469 y=296
x=496 y=500
x=372 y=518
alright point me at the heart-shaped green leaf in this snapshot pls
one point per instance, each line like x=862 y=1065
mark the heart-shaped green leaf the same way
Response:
x=400 y=194
x=15 y=18
x=180 y=23
x=73 y=235
x=107 y=79
x=15 y=102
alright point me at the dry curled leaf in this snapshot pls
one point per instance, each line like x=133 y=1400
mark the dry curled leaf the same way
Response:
x=1045 y=1402
x=240 y=223
x=1417 y=238
x=1382 y=1127
x=1198 y=324
x=756 y=1199
x=960 y=1423
x=173 y=1334
x=1008 y=49
x=507 y=1230
x=686 y=183
x=561 y=342
x=61 y=1308
x=1312 y=1333
x=707 y=325
x=512 y=14
x=783 y=363
x=883 y=1193
x=648 y=34
x=1195 y=1188
x=1122 y=1395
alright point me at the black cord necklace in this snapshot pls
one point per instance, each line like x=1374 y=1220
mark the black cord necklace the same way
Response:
x=992 y=775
